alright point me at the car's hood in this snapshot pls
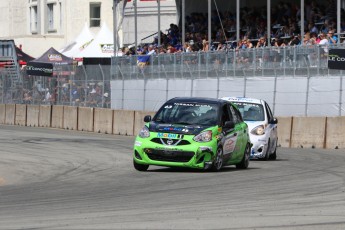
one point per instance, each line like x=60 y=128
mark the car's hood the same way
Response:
x=176 y=128
x=253 y=124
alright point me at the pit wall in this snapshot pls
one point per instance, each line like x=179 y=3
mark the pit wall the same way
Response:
x=293 y=132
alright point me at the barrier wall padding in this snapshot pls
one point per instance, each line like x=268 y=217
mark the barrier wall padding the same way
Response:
x=123 y=122
x=103 y=120
x=32 y=116
x=57 y=117
x=85 y=119
x=20 y=114
x=70 y=117
x=2 y=113
x=10 y=114
x=335 y=129
x=284 y=131
x=45 y=116
x=308 y=132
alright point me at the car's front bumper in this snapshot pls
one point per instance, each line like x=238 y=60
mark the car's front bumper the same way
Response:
x=199 y=156
x=259 y=147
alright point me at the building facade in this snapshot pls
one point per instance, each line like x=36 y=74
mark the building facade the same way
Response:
x=37 y=25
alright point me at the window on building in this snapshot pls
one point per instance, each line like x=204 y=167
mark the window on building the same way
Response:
x=33 y=19
x=50 y=17
x=95 y=14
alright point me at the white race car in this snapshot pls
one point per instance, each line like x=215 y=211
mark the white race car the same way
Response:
x=262 y=126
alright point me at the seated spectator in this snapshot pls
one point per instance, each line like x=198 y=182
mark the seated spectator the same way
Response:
x=332 y=39
x=261 y=43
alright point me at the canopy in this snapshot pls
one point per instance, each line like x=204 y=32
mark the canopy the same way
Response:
x=22 y=57
x=80 y=43
x=44 y=65
x=101 y=46
x=55 y=57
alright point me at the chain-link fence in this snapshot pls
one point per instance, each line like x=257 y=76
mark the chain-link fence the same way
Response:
x=258 y=62
x=76 y=86
x=90 y=85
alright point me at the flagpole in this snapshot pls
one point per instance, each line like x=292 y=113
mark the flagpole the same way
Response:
x=115 y=26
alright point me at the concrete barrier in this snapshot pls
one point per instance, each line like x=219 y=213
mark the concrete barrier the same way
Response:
x=57 y=116
x=308 y=132
x=103 y=120
x=70 y=117
x=20 y=115
x=45 y=116
x=85 y=119
x=284 y=131
x=32 y=115
x=295 y=132
x=123 y=122
x=2 y=113
x=335 y=129
x=10 y=114
x=139 y=120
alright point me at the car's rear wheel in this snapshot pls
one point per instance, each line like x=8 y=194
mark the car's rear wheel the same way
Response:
x=218 y=161
x=245 y=160
x=140 y=167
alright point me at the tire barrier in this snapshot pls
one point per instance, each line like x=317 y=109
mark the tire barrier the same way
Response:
x=293 y=132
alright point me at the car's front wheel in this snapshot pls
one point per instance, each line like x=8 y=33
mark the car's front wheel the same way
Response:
x=140 y=167
x=218 y=161
x=245 y=160
x=267 y=154
x=273 y=156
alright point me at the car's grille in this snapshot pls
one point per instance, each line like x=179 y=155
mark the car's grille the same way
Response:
x=167 y=141
x=169 y=155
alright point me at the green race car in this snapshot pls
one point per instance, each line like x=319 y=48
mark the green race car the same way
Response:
x=201 y=133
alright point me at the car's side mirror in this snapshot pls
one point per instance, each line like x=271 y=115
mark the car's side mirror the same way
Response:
x=274 y=121
x=229 y=125
x=147 y=118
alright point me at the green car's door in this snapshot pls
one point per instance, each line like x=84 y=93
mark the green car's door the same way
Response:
x=241 y=129
x=232 y=138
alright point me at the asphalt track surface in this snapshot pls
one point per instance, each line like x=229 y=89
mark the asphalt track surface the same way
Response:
x=59 y=179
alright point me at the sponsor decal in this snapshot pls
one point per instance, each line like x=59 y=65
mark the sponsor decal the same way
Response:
x=169 y=135
x=85 y=45
x=229 y=145
x=172 y=129
x=39 y=69
x=107 y=48
x=137 y=143
x=54 y=57
x=336 y=59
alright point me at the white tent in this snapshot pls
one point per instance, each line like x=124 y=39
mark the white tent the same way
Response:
x=79 y=44
x=101 y=46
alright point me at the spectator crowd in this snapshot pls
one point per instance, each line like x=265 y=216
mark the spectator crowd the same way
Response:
x=320 y=28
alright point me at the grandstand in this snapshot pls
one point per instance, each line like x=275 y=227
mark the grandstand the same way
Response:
x=230 y=27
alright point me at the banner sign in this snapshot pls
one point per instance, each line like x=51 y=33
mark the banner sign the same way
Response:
x=39 y=69
x=336 y=59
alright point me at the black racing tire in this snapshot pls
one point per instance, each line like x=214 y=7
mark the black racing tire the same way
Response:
x=218 y=161
x=273 y=156
x=140 y=167
x=246 y=158
x=267 y=154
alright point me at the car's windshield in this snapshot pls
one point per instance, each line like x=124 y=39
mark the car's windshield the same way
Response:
x=250 y=111
x=188 y=114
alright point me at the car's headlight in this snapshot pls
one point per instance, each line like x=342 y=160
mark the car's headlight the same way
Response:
x=204 y=136
x=144 y=132
x=258 y=130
